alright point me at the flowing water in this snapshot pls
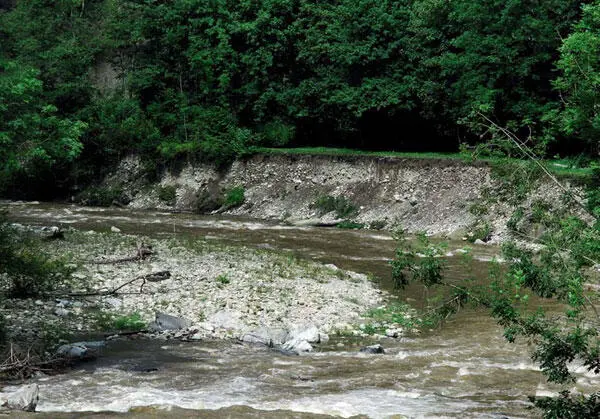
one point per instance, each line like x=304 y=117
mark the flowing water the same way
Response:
x=464 y=369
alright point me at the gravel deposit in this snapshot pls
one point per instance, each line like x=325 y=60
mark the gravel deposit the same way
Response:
x=222 y=291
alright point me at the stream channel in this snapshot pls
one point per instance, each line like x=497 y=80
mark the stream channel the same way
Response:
x=464 y=369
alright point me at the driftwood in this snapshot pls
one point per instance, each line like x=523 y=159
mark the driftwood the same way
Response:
x=151 y=277
x=24 y=364
x=142 y=252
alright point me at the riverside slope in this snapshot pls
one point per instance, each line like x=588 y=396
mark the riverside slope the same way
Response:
x=431 y=195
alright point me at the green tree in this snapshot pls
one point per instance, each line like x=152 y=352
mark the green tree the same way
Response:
x=34 y=137
x=579 y=82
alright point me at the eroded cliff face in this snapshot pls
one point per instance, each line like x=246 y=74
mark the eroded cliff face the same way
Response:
x=431 y=195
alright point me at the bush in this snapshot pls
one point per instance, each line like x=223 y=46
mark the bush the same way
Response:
x=167 y=194
x=223 y=279
x=102 y=196
x=129 y=322
x=343 y=207
x=377 y=225
x=206 y=202
x=480 y=231
x=28 y=271
x=350 y=225
x=234 y=197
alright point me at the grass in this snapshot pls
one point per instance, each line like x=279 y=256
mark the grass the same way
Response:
x=564 y=168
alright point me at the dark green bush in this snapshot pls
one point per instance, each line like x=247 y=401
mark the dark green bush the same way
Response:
x=342 y=206
x=28 y=271
x=167 y=194
x=234 y=197
x=102 y=196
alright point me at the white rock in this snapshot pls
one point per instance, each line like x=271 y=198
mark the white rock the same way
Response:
x=115 y=229
x=308 y=333
x=298 y=345
x=24 y=399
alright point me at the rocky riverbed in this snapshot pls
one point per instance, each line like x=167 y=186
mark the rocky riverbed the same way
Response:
x=217 y=291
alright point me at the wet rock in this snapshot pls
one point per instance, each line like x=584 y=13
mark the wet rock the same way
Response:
x=167 y=322
x=79 y=350
x=297 y=345
x=260 y=336
x=285 y=352
x=24 y=399
x=373 y=349
x=393 y=333
x=309 y=333
x=61 y=312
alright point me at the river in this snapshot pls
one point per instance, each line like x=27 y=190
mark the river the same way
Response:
x=463 y=369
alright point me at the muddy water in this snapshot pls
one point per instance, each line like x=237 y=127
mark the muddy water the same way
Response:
x=465 y=369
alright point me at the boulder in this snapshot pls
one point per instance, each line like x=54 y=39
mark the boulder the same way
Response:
x=79 y=350
x=167 y=322
x=226 y=319
x=297 y=345
x=260 y=336
x=373 y=349
x=309 y=333
x=24 y=399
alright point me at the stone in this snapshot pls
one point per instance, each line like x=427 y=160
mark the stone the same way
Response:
x=309 y=333
x=391 y=333
x=260 y=336
x=167 y=322
x=72 y=351
x=373 y=349
x=226 y=319
x=479 y=242
x=25 y=399
x=115 y=229
x=61 y=312
x=113 y=302
x=297 y=345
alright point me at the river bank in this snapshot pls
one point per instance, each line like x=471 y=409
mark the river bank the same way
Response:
x=441 y=197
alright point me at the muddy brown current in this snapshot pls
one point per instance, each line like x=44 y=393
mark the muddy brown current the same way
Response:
x=464 y=369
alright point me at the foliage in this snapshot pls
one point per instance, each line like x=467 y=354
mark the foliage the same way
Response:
x=102 y=196
x=480 y=230
x=213 y=80
x=579 y=82
x=342 y=207
x=131 y=321
x=223 y=279
x=377 y=224
x=421 y=261
x=559 y=270
x=34 y=137
x=350 y=225
x=234 y=197
x=25 y=270
x=167 y=194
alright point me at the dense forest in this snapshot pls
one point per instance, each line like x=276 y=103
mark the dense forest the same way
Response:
x=83 y=83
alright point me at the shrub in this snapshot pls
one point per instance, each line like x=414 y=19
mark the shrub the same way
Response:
x=350 y=225
x=223 y=279
x=28 y=271
x=167 y=194
x=480 y=231
x=206 y=202
x=234 y=197
x=129 y=322
x=342 y=206
x=102 y=197
x=377 y=225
